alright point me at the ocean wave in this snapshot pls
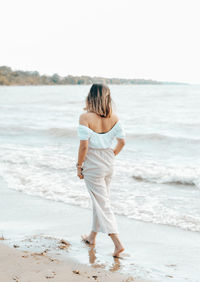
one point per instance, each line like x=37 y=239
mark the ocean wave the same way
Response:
x=72 y=132
x=161 y=137
x=157 y=173
x=57 y=132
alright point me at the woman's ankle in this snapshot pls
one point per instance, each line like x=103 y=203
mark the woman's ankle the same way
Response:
x=93 y=234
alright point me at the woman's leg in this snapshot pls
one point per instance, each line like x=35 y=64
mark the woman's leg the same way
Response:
x=103 y=217
x=90 y=239
x=118 y=245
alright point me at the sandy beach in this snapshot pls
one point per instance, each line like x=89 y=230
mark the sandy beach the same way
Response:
x=22 y=266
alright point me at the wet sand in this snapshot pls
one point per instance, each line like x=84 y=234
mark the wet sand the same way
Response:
x=22 y=266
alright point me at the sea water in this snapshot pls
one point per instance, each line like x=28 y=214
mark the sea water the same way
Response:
x=157 y=174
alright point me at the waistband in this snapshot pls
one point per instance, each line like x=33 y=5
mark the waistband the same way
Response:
x=99 y=149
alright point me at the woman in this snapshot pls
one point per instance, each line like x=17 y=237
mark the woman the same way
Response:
x=96 y=130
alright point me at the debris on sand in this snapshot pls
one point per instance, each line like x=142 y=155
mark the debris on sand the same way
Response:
x=64 y=244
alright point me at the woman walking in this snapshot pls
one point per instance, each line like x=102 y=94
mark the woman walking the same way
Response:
x=96 y=130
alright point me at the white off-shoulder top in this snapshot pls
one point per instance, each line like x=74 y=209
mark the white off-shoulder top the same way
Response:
x=101 y=140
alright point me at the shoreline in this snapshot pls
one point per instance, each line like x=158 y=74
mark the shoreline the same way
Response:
x=20 y=266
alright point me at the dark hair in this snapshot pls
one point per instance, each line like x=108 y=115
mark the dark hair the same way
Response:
x=99 y=100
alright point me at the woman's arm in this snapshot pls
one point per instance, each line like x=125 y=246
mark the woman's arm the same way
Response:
x=119 y=146
x=120 y=136
x=83 y=148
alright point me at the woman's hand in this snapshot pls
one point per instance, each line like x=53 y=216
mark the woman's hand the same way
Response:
x=79 y=172
x=113 y=152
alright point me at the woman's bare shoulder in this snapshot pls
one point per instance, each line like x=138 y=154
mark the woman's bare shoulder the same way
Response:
x=115 y=117
x=83 y=119
x=86 y=118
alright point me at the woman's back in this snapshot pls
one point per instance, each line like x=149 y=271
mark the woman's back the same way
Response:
x=99 y=124
x=99 y=131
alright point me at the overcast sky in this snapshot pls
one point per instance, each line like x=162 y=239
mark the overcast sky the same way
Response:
x=152 y=39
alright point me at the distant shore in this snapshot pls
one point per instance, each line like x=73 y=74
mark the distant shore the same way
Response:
x=11 y=77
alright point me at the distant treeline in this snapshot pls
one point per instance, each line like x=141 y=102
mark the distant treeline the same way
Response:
x=10 y=77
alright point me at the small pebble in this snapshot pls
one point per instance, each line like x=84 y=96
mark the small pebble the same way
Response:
x=15 y=246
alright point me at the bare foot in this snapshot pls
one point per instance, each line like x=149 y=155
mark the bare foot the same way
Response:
x=118 y=251
x=88 y=239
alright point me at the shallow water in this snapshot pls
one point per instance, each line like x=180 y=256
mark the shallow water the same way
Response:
x=157 y=174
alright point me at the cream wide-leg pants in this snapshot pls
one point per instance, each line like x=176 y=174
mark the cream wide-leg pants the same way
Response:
x=97 y=170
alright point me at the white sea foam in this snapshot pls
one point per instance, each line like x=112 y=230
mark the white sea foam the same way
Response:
x=157 y=173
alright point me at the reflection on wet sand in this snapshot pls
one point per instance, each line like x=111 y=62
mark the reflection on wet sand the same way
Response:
x=116 y=265
x=91 y=253
x=92 y=258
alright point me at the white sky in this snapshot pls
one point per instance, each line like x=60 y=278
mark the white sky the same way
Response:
x=152 y=39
